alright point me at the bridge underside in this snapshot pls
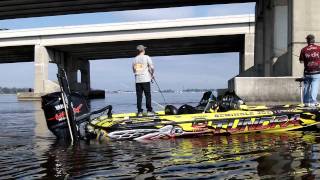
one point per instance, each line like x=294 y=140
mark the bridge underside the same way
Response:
x=10 y=9
x=16 y=54
x=159 y=47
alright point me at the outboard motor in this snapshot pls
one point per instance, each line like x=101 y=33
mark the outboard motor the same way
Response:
x=66 y=110
x=55 y=114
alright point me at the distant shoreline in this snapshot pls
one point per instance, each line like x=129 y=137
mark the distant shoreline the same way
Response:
x=14 y=90
x=165 y=91
x=8 y=91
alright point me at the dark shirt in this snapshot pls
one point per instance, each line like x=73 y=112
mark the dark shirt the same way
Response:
x=310 y=56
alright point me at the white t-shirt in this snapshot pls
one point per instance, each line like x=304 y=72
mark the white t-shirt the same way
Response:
x=142 y=65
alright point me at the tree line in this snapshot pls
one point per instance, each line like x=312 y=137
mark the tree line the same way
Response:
x=14 y=90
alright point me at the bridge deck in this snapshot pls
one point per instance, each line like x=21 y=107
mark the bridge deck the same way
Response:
x=10 y=9
x=118 y=40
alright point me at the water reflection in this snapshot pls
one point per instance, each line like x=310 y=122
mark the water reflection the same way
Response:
x=41 y=129
x=293 y=159
x=238 y=156
x=29 y=151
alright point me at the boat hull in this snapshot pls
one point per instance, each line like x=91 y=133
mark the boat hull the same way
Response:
x=130 y=127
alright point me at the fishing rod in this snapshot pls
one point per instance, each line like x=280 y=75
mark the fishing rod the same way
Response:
x=68 y=106
x=285 y=51
x=277 y=49
x=154 y=79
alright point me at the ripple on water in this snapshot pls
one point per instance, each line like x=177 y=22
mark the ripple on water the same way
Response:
x=29 y=151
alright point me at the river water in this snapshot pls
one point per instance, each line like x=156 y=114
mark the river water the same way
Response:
x=29 y=151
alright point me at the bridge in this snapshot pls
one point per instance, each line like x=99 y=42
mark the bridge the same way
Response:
x=74 y=46
x=280 y=30
x=10 y=9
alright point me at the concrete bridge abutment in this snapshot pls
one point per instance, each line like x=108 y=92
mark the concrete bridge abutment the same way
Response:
x=78 y=73
x=303 y=19
x=77 y=70
x=281 y=28
x=246 y=64
x=42 y=57
x=271 y=43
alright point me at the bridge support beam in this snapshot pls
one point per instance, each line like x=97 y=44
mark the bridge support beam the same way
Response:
x=304 y=20
x=271 y=43
x=78 y=72
x=281 y=28
x=41 y=64
x=247 y=57
x=42 y=57
x=77 y=69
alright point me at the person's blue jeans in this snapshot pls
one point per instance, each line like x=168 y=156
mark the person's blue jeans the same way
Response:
x=310 y=91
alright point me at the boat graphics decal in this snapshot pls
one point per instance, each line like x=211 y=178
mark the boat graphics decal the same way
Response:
x=255 y=124
x=62 y=115
x=201 y=126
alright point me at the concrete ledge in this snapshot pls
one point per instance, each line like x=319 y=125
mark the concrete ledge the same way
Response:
x=29 y=96
x=97 y=94
x=266 y=89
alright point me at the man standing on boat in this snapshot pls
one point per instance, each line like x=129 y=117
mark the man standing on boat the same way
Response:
x=143 y=70
x=310 y=56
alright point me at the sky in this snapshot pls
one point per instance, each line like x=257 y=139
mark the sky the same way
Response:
x=172 y=72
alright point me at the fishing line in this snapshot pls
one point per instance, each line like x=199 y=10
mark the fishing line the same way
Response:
x=153 y=101
x=158 y=104
x=154 y=79
x=268 y=45
x=286 y=51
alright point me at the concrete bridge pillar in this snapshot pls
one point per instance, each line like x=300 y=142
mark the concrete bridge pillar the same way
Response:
x=271 y=52
x=247 y=56
x=41 y=62
x=77 y=69
x=281 y=28
x=42 y=57
x=78 y=72
x=304 y=20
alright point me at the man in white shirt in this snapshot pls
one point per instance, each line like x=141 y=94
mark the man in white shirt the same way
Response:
x=143 y=70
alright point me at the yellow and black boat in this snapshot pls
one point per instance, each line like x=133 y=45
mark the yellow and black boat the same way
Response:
x=66 y=111
x=228 y=115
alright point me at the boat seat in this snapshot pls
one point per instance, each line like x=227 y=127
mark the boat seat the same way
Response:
x=170 y=110
x=187 y=109
x=207 y=101
x=230 y=101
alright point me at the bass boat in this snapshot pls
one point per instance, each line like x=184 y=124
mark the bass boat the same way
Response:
x=229 y=115
x=212 y=116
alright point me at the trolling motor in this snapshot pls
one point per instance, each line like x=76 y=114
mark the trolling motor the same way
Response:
x=65 y=110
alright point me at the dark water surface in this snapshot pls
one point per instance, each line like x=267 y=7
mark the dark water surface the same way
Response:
x=29 y=151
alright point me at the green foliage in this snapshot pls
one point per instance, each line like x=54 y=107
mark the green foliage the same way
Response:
x=14 y=90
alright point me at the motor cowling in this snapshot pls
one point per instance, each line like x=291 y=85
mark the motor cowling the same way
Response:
x=55 y=114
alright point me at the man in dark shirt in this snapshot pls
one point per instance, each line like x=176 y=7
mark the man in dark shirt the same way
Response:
x=310 y=57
